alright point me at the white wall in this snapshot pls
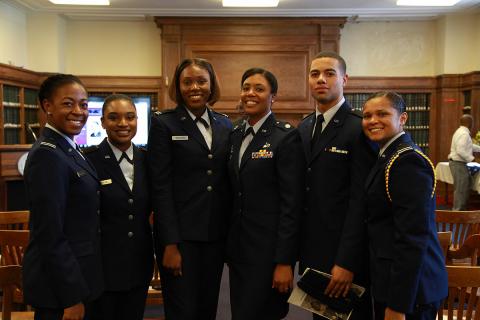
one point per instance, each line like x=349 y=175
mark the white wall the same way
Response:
x=477 y=41
x=461 y=44
x=389 y=48
x=13 y=42
x=46 y=42
x=49 y=42
x=113 y=48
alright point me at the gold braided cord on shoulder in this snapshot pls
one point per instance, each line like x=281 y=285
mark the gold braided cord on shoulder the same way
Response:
x=395 y=157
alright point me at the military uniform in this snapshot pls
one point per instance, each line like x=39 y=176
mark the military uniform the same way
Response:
x=267 y=188
x=407 y=264
x=191 y=201
x=333 y=227
x=62 y=263
x=127 y=243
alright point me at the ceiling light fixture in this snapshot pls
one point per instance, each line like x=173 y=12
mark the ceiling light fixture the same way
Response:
x=82 y=2
x=250 y=3
x=427 y=3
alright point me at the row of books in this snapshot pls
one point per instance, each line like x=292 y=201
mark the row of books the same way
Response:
x=418 y=109
x=12 y=120
x=11 y=115
x=11 y=135
x=30 y=98
x=11 y=96
x=420 y=137
x=31 y=115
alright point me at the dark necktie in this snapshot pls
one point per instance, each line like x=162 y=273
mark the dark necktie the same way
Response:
x=249 y=131
x=318 y=129
x=125 y=156
x=202 y=121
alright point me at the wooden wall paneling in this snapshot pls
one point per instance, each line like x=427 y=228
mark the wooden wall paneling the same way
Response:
x=18 y=76
x=1 y=114
x=471 y=82
x=448 y=112
x=231 y=61
x=171 y=56
x=126 y=84
x=329 y=39
x=284 y=46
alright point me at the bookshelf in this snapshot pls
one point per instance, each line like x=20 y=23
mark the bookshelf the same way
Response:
x=19 y=108
x=418 y=110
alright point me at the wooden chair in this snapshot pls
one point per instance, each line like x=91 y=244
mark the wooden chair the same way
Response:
x=14 y=220
x=11 y=278
x=462 y=302
x=469 y=250
x=445 y=239
x=461 y=223
x=12 y=245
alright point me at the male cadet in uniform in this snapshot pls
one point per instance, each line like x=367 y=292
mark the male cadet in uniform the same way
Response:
x=339 y=159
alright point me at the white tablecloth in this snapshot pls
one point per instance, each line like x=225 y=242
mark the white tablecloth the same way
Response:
x=443 y=174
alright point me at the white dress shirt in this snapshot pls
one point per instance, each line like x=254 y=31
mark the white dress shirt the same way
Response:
x=127 y=167
x=462 y=147
x=328 y=115
x=246 y=141
x=206 y=133
x=385 y=146
x=70 y=141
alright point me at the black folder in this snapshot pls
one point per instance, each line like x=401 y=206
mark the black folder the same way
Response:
x=314 y=283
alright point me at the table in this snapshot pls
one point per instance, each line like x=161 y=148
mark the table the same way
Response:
x=444 y=174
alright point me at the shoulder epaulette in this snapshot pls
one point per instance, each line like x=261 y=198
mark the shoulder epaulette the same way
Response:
x=48 y=144
x=222 y=114
x=157 y=113
x=403 y=149
x=90 y=149
x=238 y=126
x=356 y=113
x=283 y=125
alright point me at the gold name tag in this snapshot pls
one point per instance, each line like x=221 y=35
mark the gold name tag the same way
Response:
x=335 y=150
x=105 y=182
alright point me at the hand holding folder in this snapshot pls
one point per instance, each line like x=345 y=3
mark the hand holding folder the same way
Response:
x=310 y=295
x=315 y=283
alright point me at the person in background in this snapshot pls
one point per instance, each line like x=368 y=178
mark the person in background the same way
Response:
x=127 y=244
x=407 y=266
x=188 y=150
x=461 y=152
x=265 y=169
x=62 y=270
x=338 y=159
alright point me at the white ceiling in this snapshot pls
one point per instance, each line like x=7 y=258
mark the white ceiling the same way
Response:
x=143 y=9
